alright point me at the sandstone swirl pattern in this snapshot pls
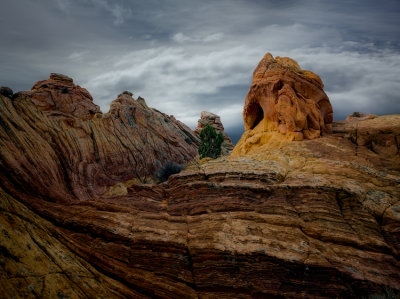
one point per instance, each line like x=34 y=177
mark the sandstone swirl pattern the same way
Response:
x=56 y=142
x=312 y=219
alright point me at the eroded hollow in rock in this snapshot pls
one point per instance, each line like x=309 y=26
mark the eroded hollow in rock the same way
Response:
x=254 y=115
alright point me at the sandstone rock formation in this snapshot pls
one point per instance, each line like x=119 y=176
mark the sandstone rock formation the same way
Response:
x=69 y=150
x=58 y=96
x=286 y=99
x=311 y=219
x=314 y=219
x=35 y=263
x=215 y=121
x=379 y=134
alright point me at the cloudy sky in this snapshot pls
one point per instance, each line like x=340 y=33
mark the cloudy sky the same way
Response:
x=187 y=56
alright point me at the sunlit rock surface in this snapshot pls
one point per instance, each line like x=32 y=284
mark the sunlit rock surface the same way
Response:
x=286 y=102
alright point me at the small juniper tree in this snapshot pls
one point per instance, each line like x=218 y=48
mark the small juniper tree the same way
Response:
x=210 y=145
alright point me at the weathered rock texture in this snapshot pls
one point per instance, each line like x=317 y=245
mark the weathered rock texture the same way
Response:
x=59 y=97
x=58 y=146
x=215 y=121
x=286 y=99
x=35 y=263
x=312 y=219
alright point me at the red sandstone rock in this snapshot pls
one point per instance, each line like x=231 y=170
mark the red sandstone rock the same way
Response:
x=287 y=99
x=59 y=97
x=215 y=121
x=66 y=155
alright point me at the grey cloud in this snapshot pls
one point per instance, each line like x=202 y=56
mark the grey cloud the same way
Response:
x=188 y=56
x=235 y=132
x=91 y=8
x=367 y=82
x=181 y=38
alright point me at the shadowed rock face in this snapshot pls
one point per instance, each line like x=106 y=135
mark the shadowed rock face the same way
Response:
x=6 y=91
x=311 y=219
x=287 y=99
x=215 y=121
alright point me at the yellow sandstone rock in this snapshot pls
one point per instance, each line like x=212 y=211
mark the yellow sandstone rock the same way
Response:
x=283 y=99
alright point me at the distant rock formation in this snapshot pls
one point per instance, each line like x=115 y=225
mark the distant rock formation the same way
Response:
x=357 y=116
x=286 y=99
x=60 y=97
x=215 y=121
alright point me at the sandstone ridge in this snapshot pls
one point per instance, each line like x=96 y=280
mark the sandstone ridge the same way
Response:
x=68 y=149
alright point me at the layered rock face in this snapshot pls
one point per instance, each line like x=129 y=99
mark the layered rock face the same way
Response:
x=35 y=263
x=215 y=121
x=286 y=99
x=60 y=97
x=318 y=218
x=57 y=145
x=313 y=219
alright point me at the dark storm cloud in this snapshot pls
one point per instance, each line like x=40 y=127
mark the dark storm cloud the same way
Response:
x=189 y=56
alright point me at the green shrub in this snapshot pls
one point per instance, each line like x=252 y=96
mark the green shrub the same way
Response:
x=164 y=172
x=210 y=142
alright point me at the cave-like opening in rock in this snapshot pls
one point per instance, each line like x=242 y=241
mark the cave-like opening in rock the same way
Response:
x=255 y=115
x=260 y=116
